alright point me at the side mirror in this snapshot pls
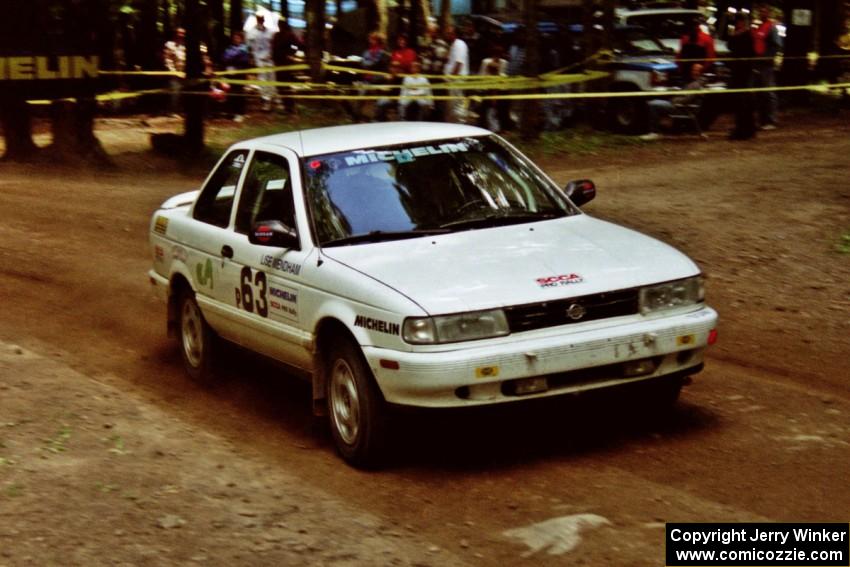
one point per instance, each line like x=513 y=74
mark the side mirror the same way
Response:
x=274 y=233
x=580 y=191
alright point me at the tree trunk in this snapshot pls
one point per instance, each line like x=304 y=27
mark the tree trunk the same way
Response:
x=798 y=42
x=236 y=15
x=193 y=134
x=422 y=15
x=383 y=16
x=148 y=43
x=218 y=39
x=445 y=15
x=315 y=13
x=72 y=126
x=830 y=19
x=17 y=128
x=73 y=123
x=530 y=115
x=165 y=17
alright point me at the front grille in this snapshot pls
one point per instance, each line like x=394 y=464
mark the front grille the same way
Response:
x=553 y=313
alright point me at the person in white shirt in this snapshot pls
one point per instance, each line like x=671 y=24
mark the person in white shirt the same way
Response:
x=456 y=65
x=494 y=115
x=259 y=41
x=415 y=85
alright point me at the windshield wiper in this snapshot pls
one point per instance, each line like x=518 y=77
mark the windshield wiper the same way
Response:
x=384 y=235
x=501 y=219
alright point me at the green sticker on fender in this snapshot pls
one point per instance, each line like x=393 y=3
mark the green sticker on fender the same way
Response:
x=204 y=274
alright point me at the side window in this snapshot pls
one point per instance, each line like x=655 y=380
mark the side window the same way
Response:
x=216 y=200
x=266 y=194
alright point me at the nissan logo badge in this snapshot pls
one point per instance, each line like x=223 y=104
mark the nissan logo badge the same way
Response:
x=576 y=311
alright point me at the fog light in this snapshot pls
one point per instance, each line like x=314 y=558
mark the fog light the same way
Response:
x=639 y=367
x=531 y=385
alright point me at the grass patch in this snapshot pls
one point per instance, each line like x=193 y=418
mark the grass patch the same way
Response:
x=267 y=124
x=581 y=140
x=843 y=245
x=57 y=443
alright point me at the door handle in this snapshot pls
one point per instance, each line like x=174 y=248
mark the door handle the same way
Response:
x=226 y=251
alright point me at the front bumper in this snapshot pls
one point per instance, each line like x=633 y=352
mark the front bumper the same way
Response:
x=570 y=359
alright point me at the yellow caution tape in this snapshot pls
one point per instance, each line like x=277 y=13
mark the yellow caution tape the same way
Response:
x=143 y=73
x=258 y=70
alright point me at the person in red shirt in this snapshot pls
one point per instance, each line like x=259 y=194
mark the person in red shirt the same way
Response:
x=767 y=44
x=696 y=46
x=403 y=55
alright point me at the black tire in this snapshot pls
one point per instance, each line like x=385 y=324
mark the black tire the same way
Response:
x=629 y=115
x=356 y=411
x=661 y=395
x=196 y=339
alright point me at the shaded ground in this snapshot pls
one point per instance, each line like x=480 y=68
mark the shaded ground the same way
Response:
x=108 y=455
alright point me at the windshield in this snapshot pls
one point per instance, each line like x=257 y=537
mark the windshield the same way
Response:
x=672 y=25
x=636 y=41
x=405 y=191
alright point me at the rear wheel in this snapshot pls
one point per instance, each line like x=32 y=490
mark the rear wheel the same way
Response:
x=196 y=339
x=629 y=115
x=355 y=406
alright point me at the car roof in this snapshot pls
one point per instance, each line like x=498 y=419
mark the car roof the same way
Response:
x=334 y=139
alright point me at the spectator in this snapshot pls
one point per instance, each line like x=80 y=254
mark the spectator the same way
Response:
x=236 y=57
x=259 y=40
x=696 y=46
x=174 y=55
x=741 y=49
x=285 y=46
x=516 y=54
x=660 y=108
x=384 y=108
x=403 y=54
x=457 y=65
x=496 y=66
x=767 y=44
x=415 y=85
x=375 y=57
x=434 y=52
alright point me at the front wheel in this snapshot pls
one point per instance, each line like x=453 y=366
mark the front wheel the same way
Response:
x=355 y=407
x=629 y=115
x=196 y=340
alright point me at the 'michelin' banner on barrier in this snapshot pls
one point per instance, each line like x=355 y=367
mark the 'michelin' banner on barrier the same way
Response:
x=47 y=67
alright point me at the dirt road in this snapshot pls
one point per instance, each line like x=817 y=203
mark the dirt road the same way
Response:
x=109 y=455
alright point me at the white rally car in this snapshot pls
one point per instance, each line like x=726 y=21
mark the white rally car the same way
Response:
x=419 y=264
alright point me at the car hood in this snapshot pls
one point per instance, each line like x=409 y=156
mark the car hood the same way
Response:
x=518 y=264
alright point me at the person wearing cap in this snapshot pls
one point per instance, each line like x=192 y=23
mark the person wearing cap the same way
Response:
x=259 y=40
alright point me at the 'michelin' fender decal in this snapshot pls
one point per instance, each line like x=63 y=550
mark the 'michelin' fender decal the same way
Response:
x=377 y=325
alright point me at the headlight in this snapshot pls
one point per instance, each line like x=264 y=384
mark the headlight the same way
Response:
x=670 y=295
x=455 y=328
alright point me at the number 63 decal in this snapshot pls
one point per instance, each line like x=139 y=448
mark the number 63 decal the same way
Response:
x=245 y=293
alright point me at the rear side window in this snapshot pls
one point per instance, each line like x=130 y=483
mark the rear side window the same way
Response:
x=216 y=200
